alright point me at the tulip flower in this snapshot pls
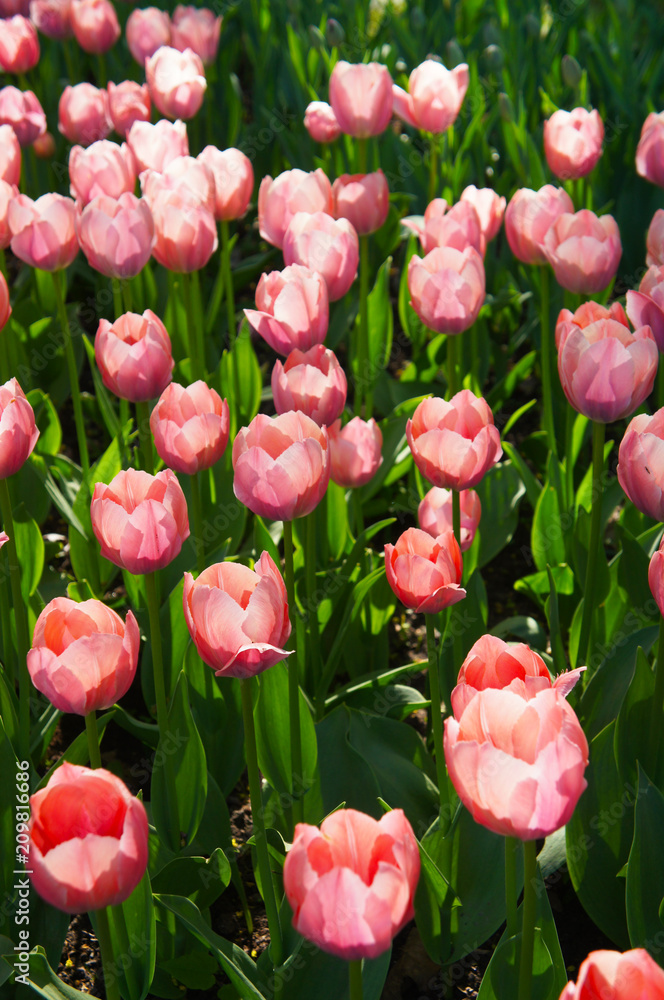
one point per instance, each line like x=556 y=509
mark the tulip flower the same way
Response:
x=363 y=199
x=7 y=193
x=18 y=431
x=83 y=656
x=83 y=114
x=19 y=45
x=134 y=356
x=185 y=233
x=196 y=28
x=425 y=573
x=351 y=884
x=434 y=98
x=587 y=313
x=128 y=102
x=312 y=382
x=447 y=288
x=44 y=146
x=583 y=250
x=320 y=122
x=292 y=309
x=95 y=25
x=646 y=307
x=650 y=151
x=641 y=463
x=361 y=98
x=435 y=514
x=10 y=155
x=22 y=110
x=104 y=168
x=458 y=228
x=5 y=308
x=88 y=840
x=237 y=617
x=529 y=216
x=291 y=192
x=233 y=180
x=44 y=231
x=490 y=209
x=116 y=236
x=154 y=146
x=573 y=142
x=147 y=30
x=281 y=465
x=185 y=176
x=52 y=18
x=176 y=81
x=190 y=427
x=610 y=975
x=355 y=451
x=326 y=245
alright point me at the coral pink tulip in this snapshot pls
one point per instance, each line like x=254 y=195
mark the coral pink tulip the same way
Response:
x=610 y=975
x=83 y=114
x=587 y=313
x=7 y=193
x=291 y=192
x=490 y=209
x=650 y=151
x=83 y=656
x=88 y=840
x=95 y=25
x=116 y=236
x=19 y=45
x=237 y=617
x=584 y=251
x=10 y=155
x=320 y=122
x=435 y=514
x=529 y=216
x=281 y=465
x=190 y=427
x=655 y=239
x=196 y=28
x=44 y=231
x=326 y=245
x=311 y=381
x=641 y=463
x=128 y=102
x=455 y=443
x=233 y=180
x=361 y=98
x=363 y=199
x=134 y=356
x=18 y=430
x=185 y=234
x=140 y=520
x=458 y=228
x=5 y=308
x=646 y=307
x=517 y=763
x=355 y=451
x=22 y=110
x=447 y=288
x=351 y=884
x=434 y=98
x=147 y=30
x=154 y=146
x=573 y=142
x=104 y=168
x=292 y=309
x=176 y=81
x=52 y=18
x=425 y=572
x=185 y=176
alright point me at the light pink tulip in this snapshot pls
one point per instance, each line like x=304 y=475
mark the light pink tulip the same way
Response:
x=185 y=176
x=10 y=156
x=584 y=251
x=95 y=25
x=517 y=763
x=128 y=102
x=529 y=216
x=83 y=114
x=196 y=28
x=312 y=382
x=5 y=307
x=457 y=228
x=176 y=81
x=650 y=151
x=233 y=180
x=237 y=617
x=434 y=98
x=435 y=514
x=190 y=427
x=455 y=443
x=646 y=307
x=83 y=656
x=140 y=520
x=104 y=168
x=656 y=576
x=655 y=239
x=154 y=146
x=326 y=245
x=573 y=142
x=291 y=192
x=447 y=288
x=185 y=234
x=641 y=463
x=22 y=110
x=490 y=209
x=351 y=884
x=44 y=231
x=355 y=451
x=363 y=199
x=281 y=465
x=425 y=572
x=292 y=309
x=52 y=18
x=147 y=30
x=320 y=122
x=116 y=236
x=587 y=313
x=7 y=193
x=610 y=975
x=361 y=98
x=134 y=356
x=18 y=430
x=19 y=45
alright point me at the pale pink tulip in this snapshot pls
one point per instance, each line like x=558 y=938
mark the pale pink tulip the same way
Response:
x=573 y=142
x=22 y=110
x=10 y=155
x=44 y=231
x=154 y=146
x=434 y=98
x=646 y=307
x=311 y=381
x=134 y=356
x=196 y=28
x=7 y=193
x=52 y=18
x=650 y=151
x=18 y=430
x=363 y=199
x=291 y=192
x=425 y=572
x=584 y=251
x=457 y=228
x=320 y=122
x=83 y=114
x=326 y=245
x=641 y=463
x=185 y=234
x=190 y=427
x=19 y=45
x=529 y=216
x=95 y=25
x=610 y=975
x=185 y=176
x=490 y=209
x=292 y=309
x=355 y=451
x=655 y=239
x=176 y=81
x=361 y=98
x=233 y=180
x=447 y=288
x=104 y=168
x=435 y=514
x=128 y=102
x=147 y=30
x=587 y=313
x=116 y=236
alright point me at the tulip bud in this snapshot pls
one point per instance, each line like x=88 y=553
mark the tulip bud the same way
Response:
x=453 y=54
x=532 y=25
x=491 y=34
x=506 y=108
x=493 y=58
x=334 y=33
x=316 y=37
x=418 y=19
x=571 y=71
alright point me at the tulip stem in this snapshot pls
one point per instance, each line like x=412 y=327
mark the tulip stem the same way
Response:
x=363 y=383
x=22 y=637
x=93 y=738
x=197 y=515
x=546 y=350
x=5 y=626
x=456 y=515
x=452 y=384
x=355 y=978
x=198 y=320
x=260 y=836
x=192 y=335
x=657 y=704
x=228 y=281
x=111 y=985
x=73 y=374
x=529 y=914
x=436 y=723
x=511 y=847
x=594 y=543
x=117 y=298
x=125 y=289
x=145 y=436
x=293 y=679
x=312 y=603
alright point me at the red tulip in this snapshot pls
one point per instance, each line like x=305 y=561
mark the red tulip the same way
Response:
x=655 y=239
x=190 y=427
x=326 y=245
x=650 y=151
x=641 y=463
x=361 y=98
x=529 y=216
x=434 y=98
x=52 y=18
x=291 y=192
x=435 y=514
x=176 y=81
x=646 y=307
x=320 y=122
x=584 y=251
x=147 y=30
x=18 y=430
x=355 y=451
x=573 y=142
x=44 y=231
x=185 y=234
x=104 y=168
x=154 y=146
x=22 y=110
x=292 y=309
x=312 y=382
x=447 y=288
x=233 y=180
x=83 y=114
x=196 y=28
x=19 y=45
x=610 y=975
x=95 y=25
x=116 y=236
x=425 y=572
x=363 y=199
x=128 y=102
x=10 y=155
x=134 y=356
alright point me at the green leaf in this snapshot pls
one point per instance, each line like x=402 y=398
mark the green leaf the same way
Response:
x=77 y=752
x=46 y=418
x=133 y=932
x=501 y=978
x=344 y=774
x=217 y=708
x=195 y=970
x=44 y=981
x=30 y=550
x=337 y=519
x=632 y=745
x=500 y=493
x=643 y=886
x=43 y=473
x=200 y=879
x=547 y=536
x=381 y=322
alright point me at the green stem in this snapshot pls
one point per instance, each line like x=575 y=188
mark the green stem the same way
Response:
x=437 y=724
x=355 y=978
x=126 y=295
x=594 y=544
x=433 y=166
x=145 y=435
x=456 y=515
x=657 y=704
x=117 y=298
x=362 y=148
x=228 y=281
x=529 y=914
x=198 y=319
x=312 y=603
x=511 y=847
x=104 y=937
x=22 y=636
x=276 y=946
x=131 y=973
x=363 y=384
x=5 y=624
x=93 y=739
x=73 y=374
x=547 y=348
x=452 y=383
x=197 y=517
x=192 y=337
x=101 y=69
x=3 y=263
x=570 y=417
x=293 y=679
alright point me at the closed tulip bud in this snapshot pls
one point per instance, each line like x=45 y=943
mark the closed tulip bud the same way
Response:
x=134 y=356
x=571 y=71
x=490 y=208
x=316 y=38
x=425 y=572
x=233 y=180
x=533 y=25
x=104 y=168
x=361 y=98
x=196 y=28
x=7 y=193
x=44 y=231
x=19 y=45
x=655 y=239
x=506 y=108
x=641 y=463
x=646 y=307
x=5 y=308
x=610 y=974
x=154 y=146
x=116 y=236
x=52 y=18
x=185 y=233
x=355 y=450
x=453 y=54
x=311 y=381
x=650 y=151
x=18 y=430
x=330 y=247
x=434 y=98
x=584 y=251
x=529 y=216
x=83 y=114
x=10 y=155
x=22 y=110
x=334 y=33
x=95 y=25
x=436 y=516
x=493 y=58
x=447 y=288
x=190 y=427
x=147 y=30
x=363 y=199
x=128 y=102
x=291 y=192
x=176 y=81
x=320 y=122
x=292 y=309
x=573 y=142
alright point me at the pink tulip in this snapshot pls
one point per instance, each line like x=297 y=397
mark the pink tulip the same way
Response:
x=529 y=216
x=655 y=239
x=233 y=180
x=493 y=663
x=312 y=382
x=355 y=451
x=656 y=576
x=44 y=231
x=52 y=18
x=587 y=313
x=320 y=122
x=18 y=430
x=447 y=288
x=281 y=465
x=646 y=307
x=5 y=307
x=44 y=146
x=434 y=98
x=128 y=102
x=650 y=151
x=291 y=192
x=351 y=884
x=363 y=199
x=104 y=168
x=517 y=763
x=83 y=656
x=88 y=840
x=176 y=81
x=326 y=245
x=10 y=7
x=185 y=176
x=190 y=427
x=196 y=28
x=185 y=234
x=22 y=110
x=237 y=617
x=7 y=193
x=584 y=251
x=95 y=25
x=605 y=371
x=116 y=236
x=573 y=142
x=641 y=463
x=147 y=30
x=435 y=514
x=292 y=309
x=19 y=45
x=610 y=975
x=361 y=98
x=154 y=146
x=83 y=114
x=457 y=228
x=134 y=356
x=140 y=520
x=455 y=443
x=10 y=156
x=425 y=572
x=490 y=209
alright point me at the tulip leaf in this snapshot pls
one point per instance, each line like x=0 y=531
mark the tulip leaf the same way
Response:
x=174 y=639
x=501 y=978
x=337 y=519
x=43 y=980
x=46 y=418
x=632 y=743
x=344 y=774
x=9 y=707
x=106 y=408
x=200 y=879
x=133 y=931
x=633 y=574
x=381 y=322
x=500 y=493
x=41 y=469
x=8 y=793
x=643 y=885
x=547 y=536
x=30 y=550
x=217 y=708
x=248 y=375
